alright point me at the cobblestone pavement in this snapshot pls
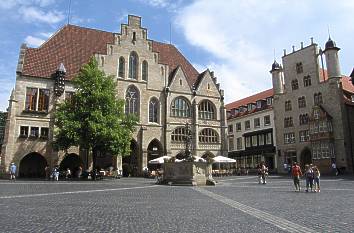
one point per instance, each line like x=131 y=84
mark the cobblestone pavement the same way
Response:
x=236 y=204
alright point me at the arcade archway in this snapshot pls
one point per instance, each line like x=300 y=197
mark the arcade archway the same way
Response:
x=155 y=150
x=305 y=157
x=71 y=161
x=130 y=162
x=32 y=166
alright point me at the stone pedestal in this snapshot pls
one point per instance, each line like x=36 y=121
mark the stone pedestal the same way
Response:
x=187 y=173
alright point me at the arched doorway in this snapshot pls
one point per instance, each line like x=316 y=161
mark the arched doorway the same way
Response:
x=130 y=162
x=71 y=161
x=305 y=157
x=154 y=151
x=32 y=166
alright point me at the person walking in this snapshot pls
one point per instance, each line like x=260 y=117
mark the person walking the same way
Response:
x=67 y=174
x=55 y=173
x=309 y=176
x=12 y=170
x=296 y=173
x=264 y=172
x=317 y=175
x=334 y=168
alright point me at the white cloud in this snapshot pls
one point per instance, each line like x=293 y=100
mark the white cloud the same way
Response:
x=34 y=41
x=170 y=5
x=241 y=35
x=46 y=34
x=33 y=10
x=33 y=14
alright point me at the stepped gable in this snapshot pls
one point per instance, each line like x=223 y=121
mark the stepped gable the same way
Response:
x=251 y=99
x=169 y=55
x=71 y=45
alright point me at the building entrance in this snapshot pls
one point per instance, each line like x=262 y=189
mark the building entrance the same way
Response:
x=130 y=162
x=32 y=166
x=155 y=150
x=305 y=157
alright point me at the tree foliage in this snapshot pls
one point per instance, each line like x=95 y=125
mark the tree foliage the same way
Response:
x=94 y=118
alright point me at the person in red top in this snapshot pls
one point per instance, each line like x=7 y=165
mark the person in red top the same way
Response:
x=296 y=172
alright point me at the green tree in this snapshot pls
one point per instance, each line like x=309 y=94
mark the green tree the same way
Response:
x=94 y=119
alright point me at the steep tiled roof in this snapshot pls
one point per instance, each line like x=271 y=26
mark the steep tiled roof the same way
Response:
x=346 y=81
x=74 y=46
x=347 y=84
x=71 y=45
x=169 y=55
x=251 y=99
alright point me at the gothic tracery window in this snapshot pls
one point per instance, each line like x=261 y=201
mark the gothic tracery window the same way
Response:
x=133 y=65
x=132 y=101
x=153 y=110
x=206 y=110
x=208 y=135
x=180 y=108
x=121 y=68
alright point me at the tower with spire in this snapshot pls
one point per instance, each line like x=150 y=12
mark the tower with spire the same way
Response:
x=277 y=78
x=332 y=60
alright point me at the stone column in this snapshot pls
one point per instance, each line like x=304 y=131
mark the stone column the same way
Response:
x=195 y=129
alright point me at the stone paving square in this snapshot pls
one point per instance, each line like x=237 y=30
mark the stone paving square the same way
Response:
x=236 y=204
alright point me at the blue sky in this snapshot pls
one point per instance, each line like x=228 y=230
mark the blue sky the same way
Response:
x=234 y=38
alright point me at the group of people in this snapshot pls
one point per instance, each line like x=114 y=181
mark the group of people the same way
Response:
x=312 y=176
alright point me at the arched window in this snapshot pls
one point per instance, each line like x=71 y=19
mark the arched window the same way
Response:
x=317 y=97
x=132 y=101
x=180 y=134
x=301 y=102
x=294 y=84
x=180 y=108
x=153 y=110
x=288 y=105
x=133 y=65
x=206 y=110
x=121 y=68
x=208 y=135
x=145 y=71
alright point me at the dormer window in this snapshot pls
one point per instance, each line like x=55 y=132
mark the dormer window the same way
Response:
x=259 y=104
x=269 y=101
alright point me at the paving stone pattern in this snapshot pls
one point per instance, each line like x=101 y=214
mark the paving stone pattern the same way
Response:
x=236 y=204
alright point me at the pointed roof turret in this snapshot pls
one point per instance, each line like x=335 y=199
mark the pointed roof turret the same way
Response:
x=330 y=44
x=275 y=66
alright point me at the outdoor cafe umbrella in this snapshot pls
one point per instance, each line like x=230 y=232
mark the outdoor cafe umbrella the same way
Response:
x=159 y=160
x=222 y=159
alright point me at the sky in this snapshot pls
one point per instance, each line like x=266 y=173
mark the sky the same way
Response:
x=237 y=39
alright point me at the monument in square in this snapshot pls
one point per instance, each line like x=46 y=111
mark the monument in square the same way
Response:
x=189 y=171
